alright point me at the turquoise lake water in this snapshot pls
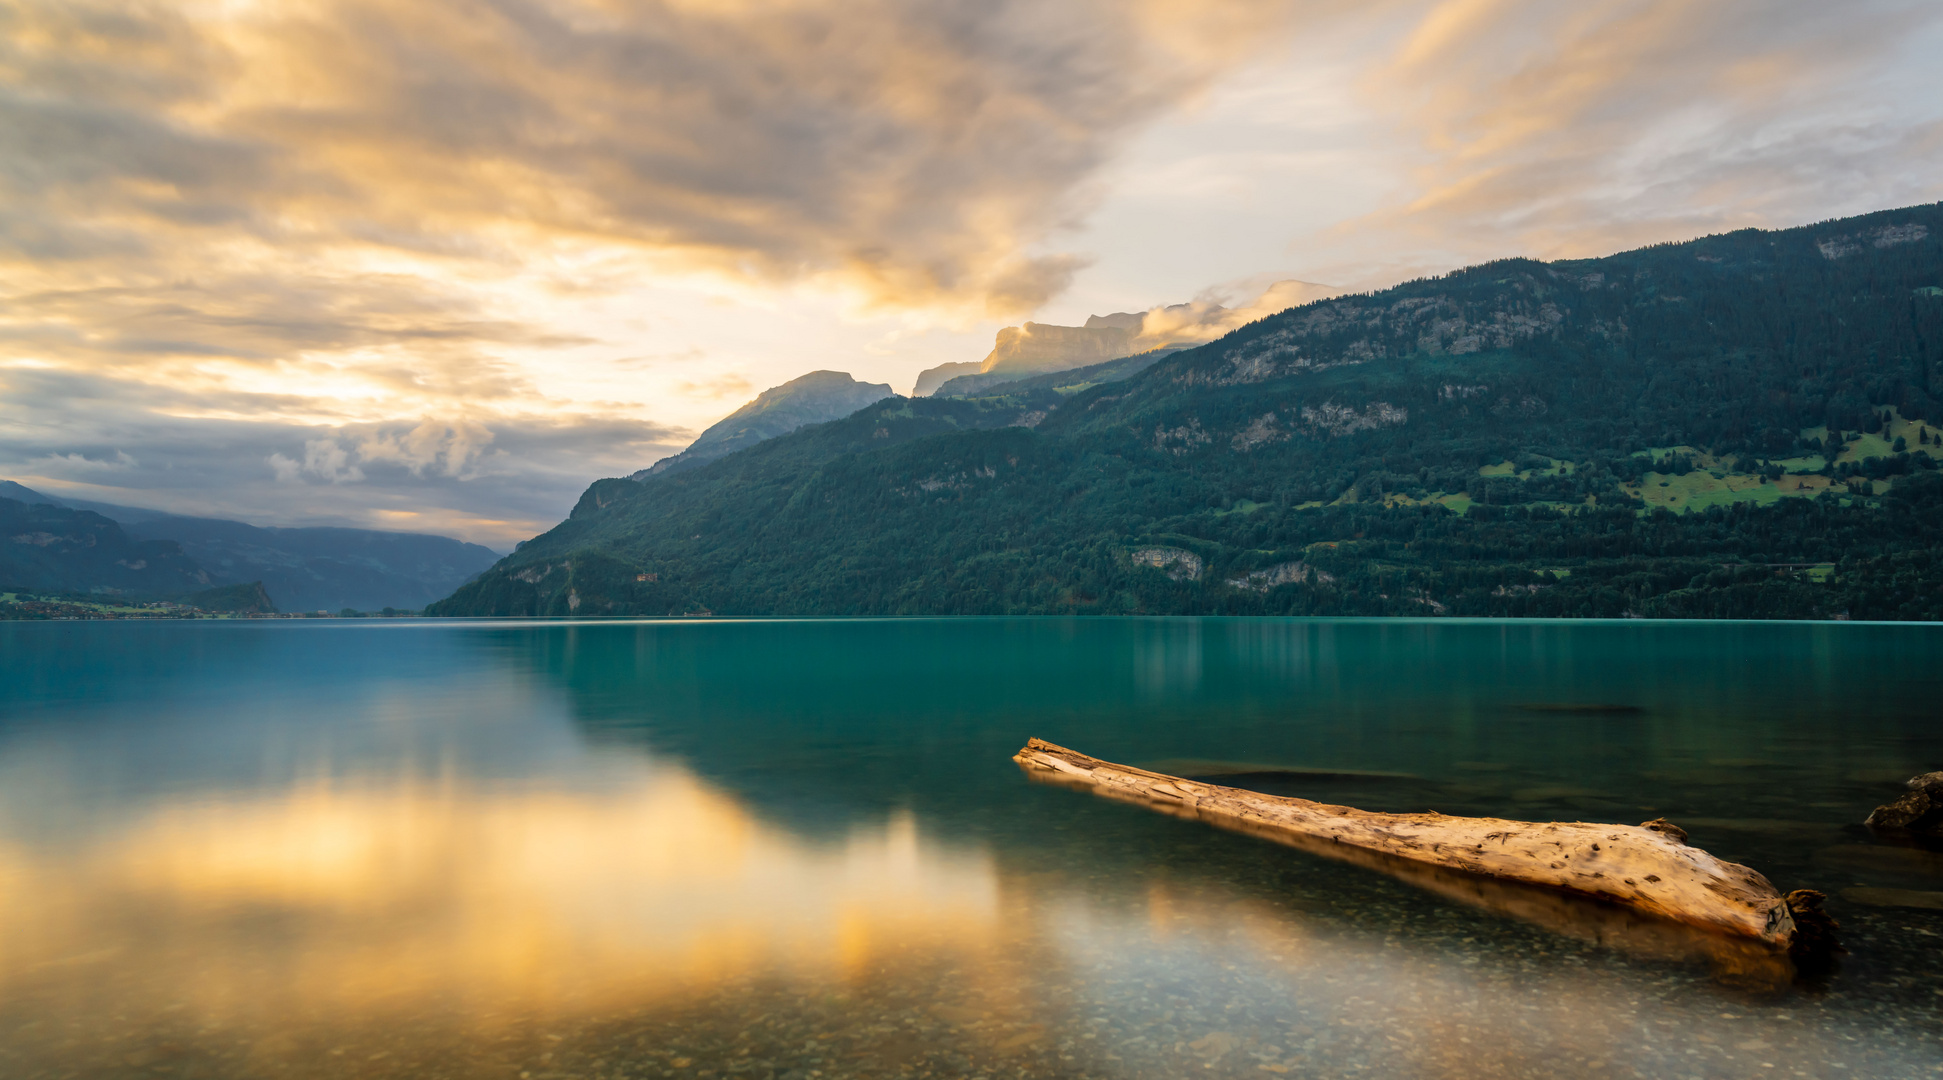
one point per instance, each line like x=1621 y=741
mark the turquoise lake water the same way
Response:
x=799 y=849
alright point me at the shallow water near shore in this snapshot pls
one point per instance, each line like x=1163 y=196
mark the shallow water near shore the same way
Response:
x=799 y=849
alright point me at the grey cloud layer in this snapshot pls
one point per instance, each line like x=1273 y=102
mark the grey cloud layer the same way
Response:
x=1581 y=128
x=493 y=480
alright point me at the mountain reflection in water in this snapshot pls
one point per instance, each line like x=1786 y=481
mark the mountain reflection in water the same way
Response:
x=799 y=850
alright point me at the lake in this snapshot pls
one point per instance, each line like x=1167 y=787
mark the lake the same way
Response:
x=799 y=849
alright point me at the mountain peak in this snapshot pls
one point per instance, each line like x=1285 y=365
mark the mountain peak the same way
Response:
x=22 y=493
x=779 y=410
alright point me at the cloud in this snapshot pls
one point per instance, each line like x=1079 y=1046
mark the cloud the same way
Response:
x=451 y=447
x=731 y=385
x=494 y=479
x=1205 y=318
x=912 y=150
x=326 y=460
x=1576 y=129
x=78 y=463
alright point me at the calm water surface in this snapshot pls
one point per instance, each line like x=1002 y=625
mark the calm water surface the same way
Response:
x=800 y=850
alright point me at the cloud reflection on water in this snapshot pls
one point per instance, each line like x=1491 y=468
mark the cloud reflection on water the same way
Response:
x=336 y=894
x=395 y=912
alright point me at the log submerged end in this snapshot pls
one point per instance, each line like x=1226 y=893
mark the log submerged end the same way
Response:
x=1648 y=867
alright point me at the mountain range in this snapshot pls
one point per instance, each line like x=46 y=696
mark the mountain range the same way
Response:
x=47 y=546
x=1741 y=425
x=88 y=547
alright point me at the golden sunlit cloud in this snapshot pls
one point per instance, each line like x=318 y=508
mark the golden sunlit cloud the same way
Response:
x=1573 y=130
x=912 y=152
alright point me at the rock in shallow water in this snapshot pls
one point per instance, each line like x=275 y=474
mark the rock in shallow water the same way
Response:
x=1919 y=811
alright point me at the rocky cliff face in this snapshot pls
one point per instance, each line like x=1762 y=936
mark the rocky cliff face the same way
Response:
x=930 y=379
x=1036 y=348
x=1021 y=352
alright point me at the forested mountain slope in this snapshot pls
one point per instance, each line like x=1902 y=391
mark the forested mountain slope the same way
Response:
x=43 y=546
x=320 y=567
x=1740 y=425
x=79 y=546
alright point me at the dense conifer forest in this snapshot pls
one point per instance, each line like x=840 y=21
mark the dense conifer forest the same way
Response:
x=1740 y=426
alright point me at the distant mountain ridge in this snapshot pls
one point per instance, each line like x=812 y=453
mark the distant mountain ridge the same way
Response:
x=21 y=493
x=58 y=548
x=83 y=546
x=815 y=398
x=324 y=568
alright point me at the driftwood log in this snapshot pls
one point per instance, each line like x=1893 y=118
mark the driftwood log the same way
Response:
x=1648 y=868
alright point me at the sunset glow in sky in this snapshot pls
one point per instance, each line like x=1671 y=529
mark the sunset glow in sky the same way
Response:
x=436 y=264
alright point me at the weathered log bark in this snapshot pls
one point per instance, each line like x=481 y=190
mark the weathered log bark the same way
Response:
x=1645 y=867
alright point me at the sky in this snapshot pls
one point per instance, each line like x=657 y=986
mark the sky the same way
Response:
x=434 y=265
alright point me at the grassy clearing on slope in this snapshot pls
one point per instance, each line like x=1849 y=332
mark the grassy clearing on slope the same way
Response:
x=1700 y=489
x=1919 y=437
x=1458 y=503
x=1883 y=444
x=1662 y=459
x=1808 y=463
x=1555 y=467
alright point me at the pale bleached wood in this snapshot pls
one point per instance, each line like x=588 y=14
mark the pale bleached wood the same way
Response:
x=1638 y=867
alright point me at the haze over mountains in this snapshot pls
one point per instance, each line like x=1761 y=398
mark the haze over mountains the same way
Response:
x=87 y=547
x=1742 y=425
x=1040 y=348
